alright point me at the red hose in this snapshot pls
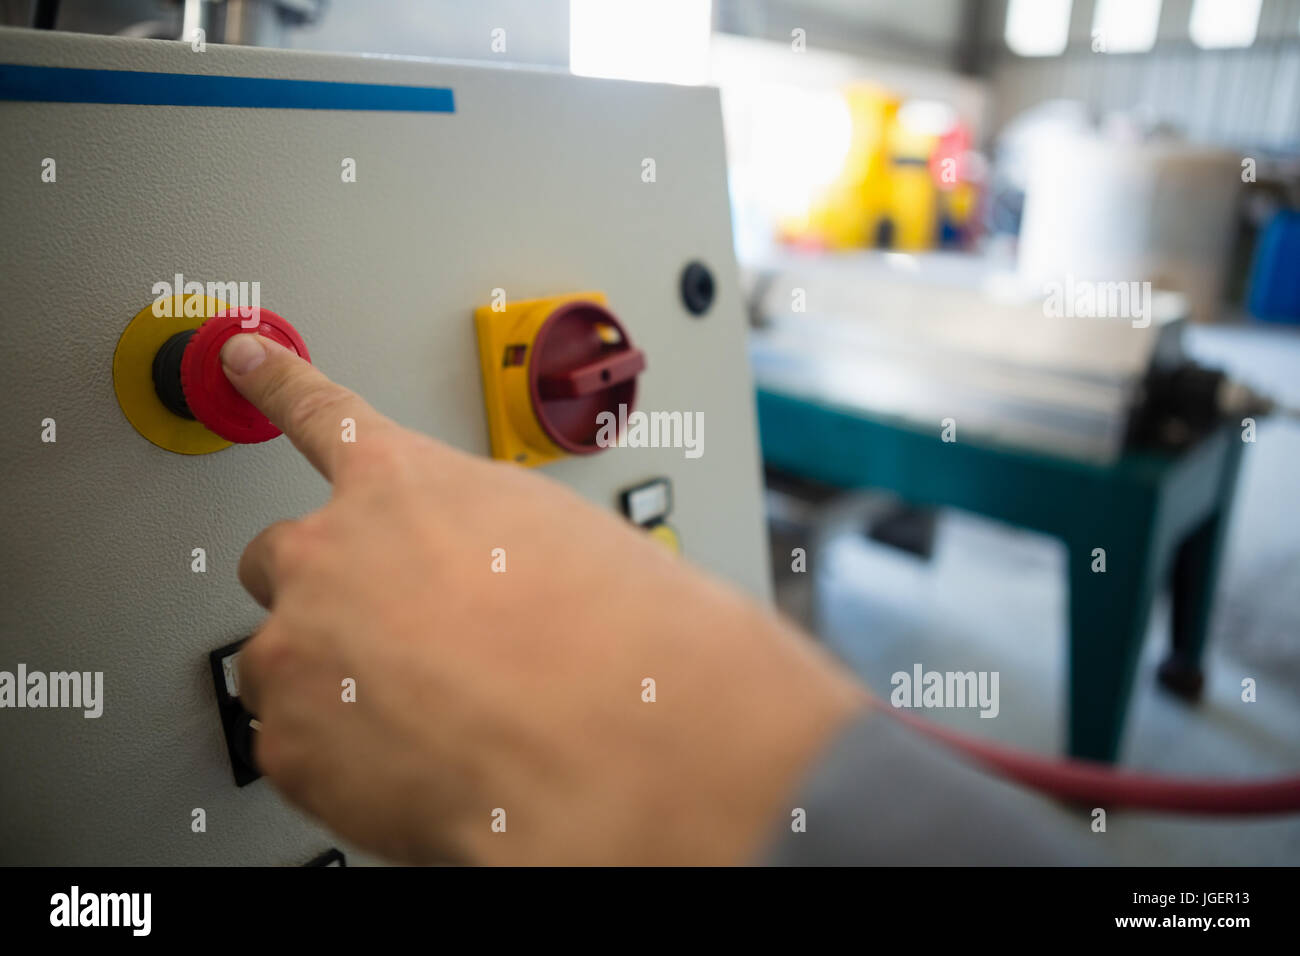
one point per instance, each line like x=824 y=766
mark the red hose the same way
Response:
x=1100 y=785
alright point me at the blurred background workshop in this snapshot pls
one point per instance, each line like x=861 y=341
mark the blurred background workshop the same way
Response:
x=1023 y=286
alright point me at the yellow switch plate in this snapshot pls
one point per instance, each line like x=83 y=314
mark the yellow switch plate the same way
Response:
x=513 y=428
x=133 y=376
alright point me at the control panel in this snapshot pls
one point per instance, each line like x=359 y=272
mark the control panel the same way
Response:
x=527 y=265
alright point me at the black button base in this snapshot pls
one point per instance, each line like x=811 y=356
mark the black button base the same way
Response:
x=167 y=374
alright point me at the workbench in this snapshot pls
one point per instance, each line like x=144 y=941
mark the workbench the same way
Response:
x=1160 y=517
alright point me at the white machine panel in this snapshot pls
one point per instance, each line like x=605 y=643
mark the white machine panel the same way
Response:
x=534 y=184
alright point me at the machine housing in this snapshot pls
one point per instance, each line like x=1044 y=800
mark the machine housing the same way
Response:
x=534 y=183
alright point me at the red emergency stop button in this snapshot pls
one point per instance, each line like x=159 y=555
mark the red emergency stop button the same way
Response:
x=208 y=393
x=582 y=364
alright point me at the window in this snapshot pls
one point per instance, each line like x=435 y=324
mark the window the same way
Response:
x=1125 y=26
x=1037 y=27
x=1219 y=24
x=665 y=41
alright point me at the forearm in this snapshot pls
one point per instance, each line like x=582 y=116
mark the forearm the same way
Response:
x=881 y=794
x=742 y=708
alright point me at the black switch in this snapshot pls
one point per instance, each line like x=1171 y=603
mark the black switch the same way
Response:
x=237 y=723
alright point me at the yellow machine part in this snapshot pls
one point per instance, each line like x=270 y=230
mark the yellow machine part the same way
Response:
x=845 y=215
x=885 y=177
x=913 y=207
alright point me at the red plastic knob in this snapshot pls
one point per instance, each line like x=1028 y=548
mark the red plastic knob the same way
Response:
x=582 y=365
x=209 y=394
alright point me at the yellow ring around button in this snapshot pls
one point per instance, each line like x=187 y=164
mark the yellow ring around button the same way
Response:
x=133 y=378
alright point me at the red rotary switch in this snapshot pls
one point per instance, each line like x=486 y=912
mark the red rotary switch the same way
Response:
x=208 y=393
x=582 y=365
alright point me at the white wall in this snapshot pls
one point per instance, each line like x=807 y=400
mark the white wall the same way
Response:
x=922 y=32
x=536 y=31
x=1234 y=98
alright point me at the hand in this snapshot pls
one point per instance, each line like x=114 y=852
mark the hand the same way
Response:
x=520 y=691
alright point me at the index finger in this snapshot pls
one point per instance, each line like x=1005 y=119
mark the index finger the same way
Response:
x=298 y=399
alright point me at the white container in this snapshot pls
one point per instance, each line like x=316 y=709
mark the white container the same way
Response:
x=1104 y=211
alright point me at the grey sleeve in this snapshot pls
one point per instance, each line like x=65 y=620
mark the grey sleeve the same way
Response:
x=883 y=794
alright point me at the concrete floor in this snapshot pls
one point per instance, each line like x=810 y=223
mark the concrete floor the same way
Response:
x=993 y=598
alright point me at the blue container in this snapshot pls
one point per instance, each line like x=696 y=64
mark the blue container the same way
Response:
x=1275 y=276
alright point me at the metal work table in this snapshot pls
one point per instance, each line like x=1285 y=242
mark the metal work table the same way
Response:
x=1160 y=518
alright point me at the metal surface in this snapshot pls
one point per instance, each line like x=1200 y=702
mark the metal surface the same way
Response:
x=876 y=340
x=529 y=186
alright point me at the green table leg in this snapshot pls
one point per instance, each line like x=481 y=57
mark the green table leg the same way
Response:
x=1109 y=613
x=1195 y=579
